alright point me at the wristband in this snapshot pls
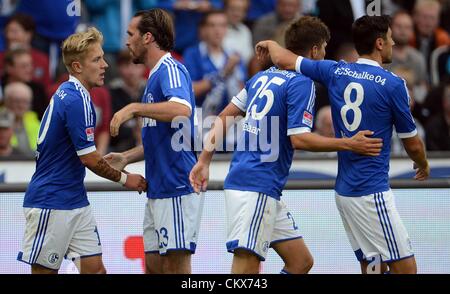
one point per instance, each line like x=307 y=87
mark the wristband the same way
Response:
x=123 y=178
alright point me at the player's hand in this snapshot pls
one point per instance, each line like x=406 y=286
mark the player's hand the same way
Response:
x=119 y=118
x=364 y=145
x=280 y=56
x=116 y=160
x=136 y=182
x=422 y=173
x=199 y=177
x=262 y=52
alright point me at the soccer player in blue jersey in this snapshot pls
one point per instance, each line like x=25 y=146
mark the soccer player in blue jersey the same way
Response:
x=173 y=211
x=278 y=107
x=365 y=96
x=59 y=221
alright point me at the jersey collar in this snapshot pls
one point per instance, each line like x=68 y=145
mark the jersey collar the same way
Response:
x=158 y=64
x=77 y=81
x=368 y=62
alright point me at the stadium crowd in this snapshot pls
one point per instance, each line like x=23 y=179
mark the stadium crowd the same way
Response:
x=215 y=41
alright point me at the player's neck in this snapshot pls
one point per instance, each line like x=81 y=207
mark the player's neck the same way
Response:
x=153 y=56
x=374 y=56
x=83 y=82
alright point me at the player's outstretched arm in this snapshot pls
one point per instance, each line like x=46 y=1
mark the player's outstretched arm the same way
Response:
x=100 y=167
x=164 y=111
x=199 y=174
x=416 y=151
x=359 y=143
x=280 y=56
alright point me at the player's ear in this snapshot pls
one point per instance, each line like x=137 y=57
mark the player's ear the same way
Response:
x=314 y=51
x=379 y=44
x=77 y=67
x=148 y=38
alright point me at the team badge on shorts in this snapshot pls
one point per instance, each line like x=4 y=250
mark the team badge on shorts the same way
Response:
x=53 y=258
x=265 y=246
x=307 y=119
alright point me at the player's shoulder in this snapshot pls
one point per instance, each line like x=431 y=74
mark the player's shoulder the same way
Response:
x=286 y=75
x=173 y=68
x=70 y=92
x=395 y=79
x=168 y=62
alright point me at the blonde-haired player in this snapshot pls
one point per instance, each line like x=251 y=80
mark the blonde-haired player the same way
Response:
x=59 y=221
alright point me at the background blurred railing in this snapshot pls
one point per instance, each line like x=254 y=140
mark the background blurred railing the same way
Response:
x=290 y=185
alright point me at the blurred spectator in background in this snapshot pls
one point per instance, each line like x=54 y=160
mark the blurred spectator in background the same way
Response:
x=408 y=74
x=18 y=67
x=55 y=21
x=126 y=89
x=18 y=98
x=259 y=8
x=239 y=37
x=403 y=55
x=440 y=65
x=429 y=35
x=187 y=16
x=6 y=133
x=111 y=17
x=324 y=122
x=272 y=25
x=19 y=30
x=7 y=8
x=438 y=128
x=217 y=75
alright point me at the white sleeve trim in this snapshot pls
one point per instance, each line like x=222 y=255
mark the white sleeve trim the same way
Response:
x=86 y=151
x=181 y=101
x=407 y=135
x=298 y=131
x=298 y=64
x=240 y=100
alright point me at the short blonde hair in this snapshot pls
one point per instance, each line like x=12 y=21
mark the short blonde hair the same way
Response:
x=77 y=45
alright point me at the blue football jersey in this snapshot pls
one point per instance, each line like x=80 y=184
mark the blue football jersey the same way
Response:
x=169 y=158
x=363 y=96
x=66 y=132
x=278 y=104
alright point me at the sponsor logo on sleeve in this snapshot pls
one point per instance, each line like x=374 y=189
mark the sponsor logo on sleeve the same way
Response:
x=90 y=134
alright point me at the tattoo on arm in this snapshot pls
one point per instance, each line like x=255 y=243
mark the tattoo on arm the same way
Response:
x=103 y=169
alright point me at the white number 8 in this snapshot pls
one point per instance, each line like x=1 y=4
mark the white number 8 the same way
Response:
x=354 y=106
